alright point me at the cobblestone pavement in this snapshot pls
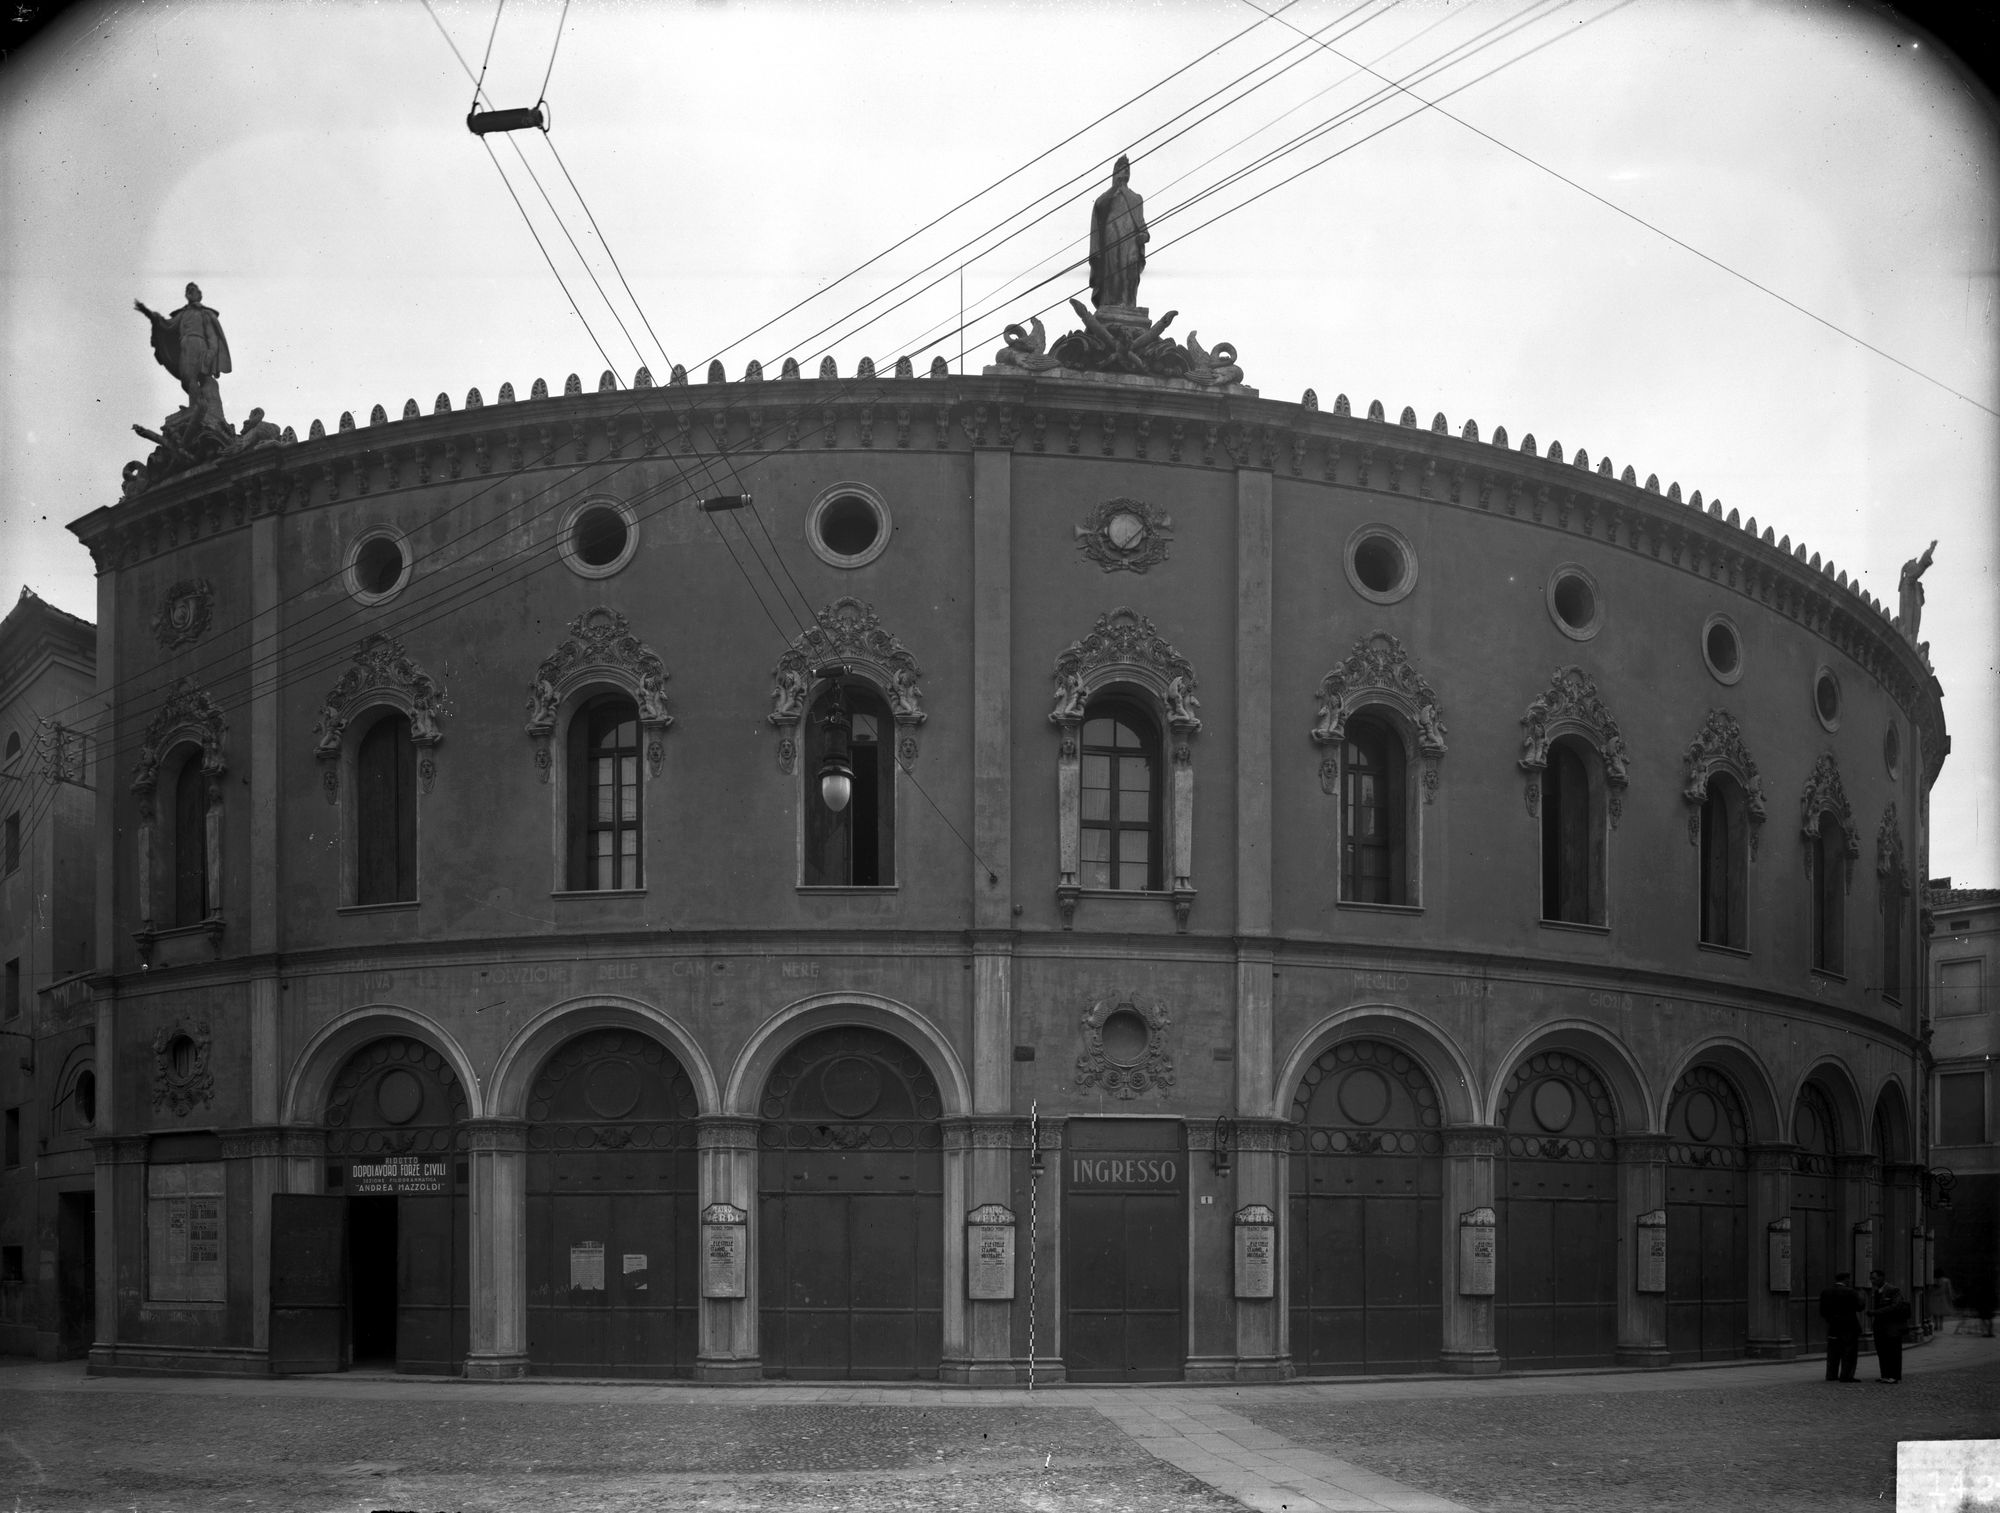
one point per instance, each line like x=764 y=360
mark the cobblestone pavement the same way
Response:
x=1752 y=1436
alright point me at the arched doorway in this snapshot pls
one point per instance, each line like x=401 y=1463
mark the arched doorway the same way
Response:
x=1367 y=1199
x=395 y=1153
x=1708 y=1219
x=851 y=1211
x=612 y=1285
x=1556 y=1302
x=1815 y=1255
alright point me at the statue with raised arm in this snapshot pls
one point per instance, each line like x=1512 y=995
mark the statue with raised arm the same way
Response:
x=1118 y=237
x=1910 y=590
x=190 y=345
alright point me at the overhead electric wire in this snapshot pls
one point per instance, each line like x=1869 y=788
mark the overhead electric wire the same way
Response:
x=345 y=630
x=1638 y=219
x=543 y=94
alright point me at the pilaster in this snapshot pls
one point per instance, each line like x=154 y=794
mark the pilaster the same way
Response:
x=121 y=1177
x=1771 y=1166
x=1261 y=1161
x=1642 y=1190
x=726 y=1349
x=497 y=1152
x=261 y=900
x=1470 y=1151
x=982 y=1157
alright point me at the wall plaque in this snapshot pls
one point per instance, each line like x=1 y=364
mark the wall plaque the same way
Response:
x=989 y=1253
x=1778 y=1241
x=1256 y=1252
x=1478 y=1250
x=1864 y=1251
x=1652 y=1251
x=397 y=1174
x=725 y=1249
x=586 y=1266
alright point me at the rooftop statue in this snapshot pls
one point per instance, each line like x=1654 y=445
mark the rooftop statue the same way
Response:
x=1118 y=238
x=1910 y=590
x=190 y=345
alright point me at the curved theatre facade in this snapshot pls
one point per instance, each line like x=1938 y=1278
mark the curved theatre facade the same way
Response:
x=1315 y=894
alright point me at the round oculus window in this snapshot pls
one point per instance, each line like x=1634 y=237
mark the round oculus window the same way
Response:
x=1554 y=1105
x=1381 y=564
x=848 y=525
x=599 y=537
x=85 y=1097
x=399 y=1096
x=377 y=567
x=1574 y=602
x=1722 y=648
x=1126 y=1036
x=1892 y=751
x=1826 y=698
x=1364 y=1096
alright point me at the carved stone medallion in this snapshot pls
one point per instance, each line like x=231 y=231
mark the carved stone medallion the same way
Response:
x=1125 y=1047
x=181 y=1075
x=184 y=613
x=1126 y=534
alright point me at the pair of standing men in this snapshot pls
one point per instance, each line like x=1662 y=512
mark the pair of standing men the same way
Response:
x=1842 y=1306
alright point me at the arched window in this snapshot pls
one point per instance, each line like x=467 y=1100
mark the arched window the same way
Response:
x=1119 y=824
x=385 y=790
x=855 y=846
x=1374 y=822
x=1725 y=850
x=604 y=795
x=1572 y=838
x=1892 y=934
x=190 y=841
x=1829 y=856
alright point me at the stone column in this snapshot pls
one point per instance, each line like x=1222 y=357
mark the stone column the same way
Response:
x=498 y=1222
x=1262 y=1160
x=1642 y=1189
x=1770 y=1199
x=727 y=1347
x=302 y=1148
x=110 y=780
x=1901 y=1212
x=121 y=1215
x=1470 y=1151
x=1039 y=1238
x=261 y=1147
x=980 y=1160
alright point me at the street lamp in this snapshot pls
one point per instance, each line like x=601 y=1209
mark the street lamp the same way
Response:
x=836 y=765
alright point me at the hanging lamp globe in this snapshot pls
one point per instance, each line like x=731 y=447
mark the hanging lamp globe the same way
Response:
x=836 y=766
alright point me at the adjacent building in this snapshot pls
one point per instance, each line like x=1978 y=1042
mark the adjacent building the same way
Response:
x=1964 y=967
x=48 y=1052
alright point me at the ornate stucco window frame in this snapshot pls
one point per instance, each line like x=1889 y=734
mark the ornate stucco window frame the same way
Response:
x=599 y=655
x=1570 y=707
x=849 y=635
x=1719 y=747
x=381 y=679
x=1123 y=652
x=1377 y=678
x=189 y=718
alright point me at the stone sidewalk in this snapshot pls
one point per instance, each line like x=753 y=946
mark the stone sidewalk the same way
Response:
x=1194 y=1428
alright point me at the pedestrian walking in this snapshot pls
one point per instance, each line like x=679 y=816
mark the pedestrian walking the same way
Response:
x=1840 y=1306
x=1891 y=1316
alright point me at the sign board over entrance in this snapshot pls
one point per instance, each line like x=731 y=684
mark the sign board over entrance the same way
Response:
x=397 y=1174
x=1153 y=1173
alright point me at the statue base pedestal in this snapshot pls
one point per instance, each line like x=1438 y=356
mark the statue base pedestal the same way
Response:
x=1124 y=315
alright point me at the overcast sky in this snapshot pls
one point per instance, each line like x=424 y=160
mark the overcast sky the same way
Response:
x=308 y=165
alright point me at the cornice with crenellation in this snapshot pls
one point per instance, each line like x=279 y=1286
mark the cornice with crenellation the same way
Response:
x=1162 y=421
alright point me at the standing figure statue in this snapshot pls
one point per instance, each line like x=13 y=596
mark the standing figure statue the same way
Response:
x=190 y=345
x=1118 y=237
x=1910 y=590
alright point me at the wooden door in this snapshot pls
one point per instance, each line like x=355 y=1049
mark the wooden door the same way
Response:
x=308 y=1282
x=1708 y=1220
x=1124 y=1243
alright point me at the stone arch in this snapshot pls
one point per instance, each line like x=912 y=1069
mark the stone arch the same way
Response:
x=523 y=1057
x=823 y=1011
x=1831 y=1075
x=1745 y=1072
x=320 y=1062
x=1633 y=1104
x=1891 y=1118
x=1429 y=1046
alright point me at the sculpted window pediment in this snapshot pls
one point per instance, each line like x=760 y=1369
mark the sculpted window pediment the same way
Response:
x=600 y=649
x=1378 y=673
x=381 y=674
x=190 y=714
x=1571 y=706
x=1824 y=796
x=187 y=848
x=849 y=634
x=1720 y=748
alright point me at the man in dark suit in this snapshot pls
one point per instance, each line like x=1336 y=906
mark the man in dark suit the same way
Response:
x=1840 y=1305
